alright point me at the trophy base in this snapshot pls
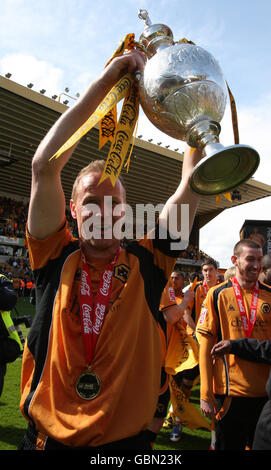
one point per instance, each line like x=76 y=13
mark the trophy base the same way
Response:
x=224 y=169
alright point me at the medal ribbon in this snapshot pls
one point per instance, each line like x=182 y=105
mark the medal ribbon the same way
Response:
x=248 y=322
x=205 y=288
x=93 y=315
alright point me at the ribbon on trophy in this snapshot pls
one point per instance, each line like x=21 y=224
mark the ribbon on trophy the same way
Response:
x=123 y=135
x=235 y=133
x=108 y=123
x=119 y=133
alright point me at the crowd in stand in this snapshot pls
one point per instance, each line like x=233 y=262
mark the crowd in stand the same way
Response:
x=13 y=215
x=193 y=253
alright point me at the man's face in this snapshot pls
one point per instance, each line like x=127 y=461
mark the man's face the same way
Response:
x=248 y=263
x=209 y=273
x=94 y=210
x=177 y=281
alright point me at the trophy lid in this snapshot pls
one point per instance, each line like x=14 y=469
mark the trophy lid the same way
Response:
x=154 y=36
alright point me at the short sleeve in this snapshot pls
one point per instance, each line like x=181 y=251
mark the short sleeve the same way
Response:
x=208 y=321
x=168 y=298
x=41 y=251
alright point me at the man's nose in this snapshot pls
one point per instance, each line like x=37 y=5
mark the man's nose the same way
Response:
x=257 y=265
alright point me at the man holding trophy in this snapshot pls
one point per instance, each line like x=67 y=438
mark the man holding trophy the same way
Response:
x=75 y=395
x=92 y=362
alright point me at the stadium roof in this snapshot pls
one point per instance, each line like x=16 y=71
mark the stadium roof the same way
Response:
x=25 y=118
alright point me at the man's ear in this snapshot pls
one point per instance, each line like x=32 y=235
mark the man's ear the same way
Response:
x=234 y=259
x=73 y=209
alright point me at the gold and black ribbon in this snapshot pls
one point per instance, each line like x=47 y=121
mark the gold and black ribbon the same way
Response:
x=108 y=124
x=119 y=133
x=123 y=135
x=118 y=92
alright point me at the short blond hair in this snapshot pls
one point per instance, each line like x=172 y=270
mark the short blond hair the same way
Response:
x=96 y=166
x=229 y=273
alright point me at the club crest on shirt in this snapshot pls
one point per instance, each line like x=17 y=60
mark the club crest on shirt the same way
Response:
x=121 y=272
x=266 y=308
x=230 y=308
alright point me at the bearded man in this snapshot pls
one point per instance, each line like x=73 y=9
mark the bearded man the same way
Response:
x=233 y=390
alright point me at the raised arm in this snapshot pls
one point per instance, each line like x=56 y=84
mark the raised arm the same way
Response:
x=47 y=201
x=175 y=313
x=183 y=194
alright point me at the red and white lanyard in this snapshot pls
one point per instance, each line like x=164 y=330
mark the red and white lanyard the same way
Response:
x=93 y=315
x=247 y=321
x=205 y=288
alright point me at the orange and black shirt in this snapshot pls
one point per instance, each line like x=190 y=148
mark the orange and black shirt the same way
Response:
x=167 y=300
x=127 y=357
x=178 y=345
x=220 y=319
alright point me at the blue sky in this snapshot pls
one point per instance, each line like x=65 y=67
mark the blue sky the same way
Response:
x=65 y=43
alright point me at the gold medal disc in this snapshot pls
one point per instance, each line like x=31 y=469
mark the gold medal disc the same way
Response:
x=88 y=385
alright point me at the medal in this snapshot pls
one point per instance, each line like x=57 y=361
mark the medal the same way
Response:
x=88 y=384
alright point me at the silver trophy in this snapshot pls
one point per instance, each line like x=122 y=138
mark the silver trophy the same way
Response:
x=184 y=94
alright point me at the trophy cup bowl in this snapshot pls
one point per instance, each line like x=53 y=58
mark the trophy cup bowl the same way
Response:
x=184 y=94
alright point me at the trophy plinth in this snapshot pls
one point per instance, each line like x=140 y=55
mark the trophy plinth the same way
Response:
x=221 y=168
x=183 y=93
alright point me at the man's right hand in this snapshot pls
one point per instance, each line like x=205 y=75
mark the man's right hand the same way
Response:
x=221 y=348
x=133 y=61
x=208 y=409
